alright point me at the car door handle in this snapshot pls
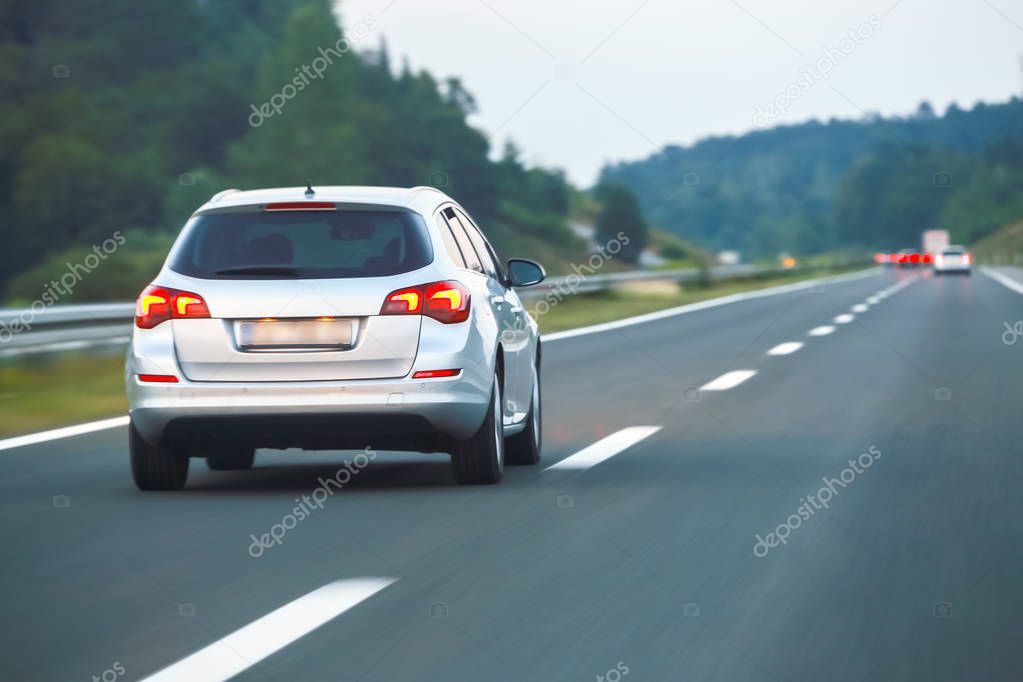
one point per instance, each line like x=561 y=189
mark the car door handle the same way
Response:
x=497 y=300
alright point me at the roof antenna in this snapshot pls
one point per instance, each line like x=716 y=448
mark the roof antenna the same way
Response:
x=309 y=193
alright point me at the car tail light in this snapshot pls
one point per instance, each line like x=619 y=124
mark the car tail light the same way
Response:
x=914 y=258
x=939 y=259
x=158 y=378
x=404 y=302
x=156 y=305
x=928 y=258
x=879 y=258
x=446 y=302
x=436 y=373
x=967 y=258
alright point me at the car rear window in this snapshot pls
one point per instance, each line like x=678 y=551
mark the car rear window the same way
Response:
x=302 y=245
x=953 y=252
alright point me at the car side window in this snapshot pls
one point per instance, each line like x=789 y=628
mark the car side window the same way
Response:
x=472 y=259
x=450 y=244
x=483 y=247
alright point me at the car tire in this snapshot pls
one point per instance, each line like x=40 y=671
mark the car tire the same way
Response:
x=237 y=459
x=480 y=459
x=525 y=446
x=155 y=467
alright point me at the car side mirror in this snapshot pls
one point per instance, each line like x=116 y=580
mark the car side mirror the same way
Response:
x=524 y=273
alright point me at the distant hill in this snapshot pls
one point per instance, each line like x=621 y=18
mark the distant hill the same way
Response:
x=873 y=183
x=1004 y=247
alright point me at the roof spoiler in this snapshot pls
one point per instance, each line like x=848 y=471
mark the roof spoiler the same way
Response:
x=220 y=195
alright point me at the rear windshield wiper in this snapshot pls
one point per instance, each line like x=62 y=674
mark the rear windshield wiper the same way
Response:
x=284 y=270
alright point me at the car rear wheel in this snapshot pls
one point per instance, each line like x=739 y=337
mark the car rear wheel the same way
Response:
x=236 y=459
x=480 y=459
x=524 y=447
x=155 y=467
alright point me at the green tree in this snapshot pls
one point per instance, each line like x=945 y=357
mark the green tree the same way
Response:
x=156 y=115
x=620 y=215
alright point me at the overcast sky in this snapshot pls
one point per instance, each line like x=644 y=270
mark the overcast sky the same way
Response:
x=577 y=84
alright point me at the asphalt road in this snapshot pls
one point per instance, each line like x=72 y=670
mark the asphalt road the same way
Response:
x=641 y=566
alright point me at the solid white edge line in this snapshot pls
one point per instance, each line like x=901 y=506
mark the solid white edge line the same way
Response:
x=64 y=432
x=604 y=449
x=1005 y=281
x=243 y=648
x=822 y=331
x=787 y=348
x=703 y=305
x=729 y=380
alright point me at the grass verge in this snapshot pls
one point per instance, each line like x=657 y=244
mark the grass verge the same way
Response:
x=45 y=392
x=584 y=310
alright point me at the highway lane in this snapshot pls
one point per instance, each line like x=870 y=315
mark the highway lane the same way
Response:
x=645 y=559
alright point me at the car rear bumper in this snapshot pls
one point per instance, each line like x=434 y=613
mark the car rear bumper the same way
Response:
x=384 y=414
x=952 y=268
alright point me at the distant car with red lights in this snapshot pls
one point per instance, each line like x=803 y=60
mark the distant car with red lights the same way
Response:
x=953 y=260
x=338 y=318
x=908 y=258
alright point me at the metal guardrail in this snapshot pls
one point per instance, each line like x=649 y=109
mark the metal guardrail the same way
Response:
x=28 y=331
x=581 y=284
x=71 y=327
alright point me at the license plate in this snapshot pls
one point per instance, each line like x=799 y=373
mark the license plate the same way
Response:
x=295 y=334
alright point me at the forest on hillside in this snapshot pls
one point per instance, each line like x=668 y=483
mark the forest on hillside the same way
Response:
x=871 y=184
x=121 y=115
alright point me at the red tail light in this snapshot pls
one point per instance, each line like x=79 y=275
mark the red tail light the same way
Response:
x=914 y=258
x=446 y=302
x=158 y=378
x=928 y=258
x=967 y=258
x=436 y=373
x=156 y=305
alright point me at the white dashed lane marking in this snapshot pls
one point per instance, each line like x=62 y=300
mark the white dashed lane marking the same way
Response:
x=604 y=448
x=822 y=331
x=785 y=348
x=728 y=380
x=244 y=648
